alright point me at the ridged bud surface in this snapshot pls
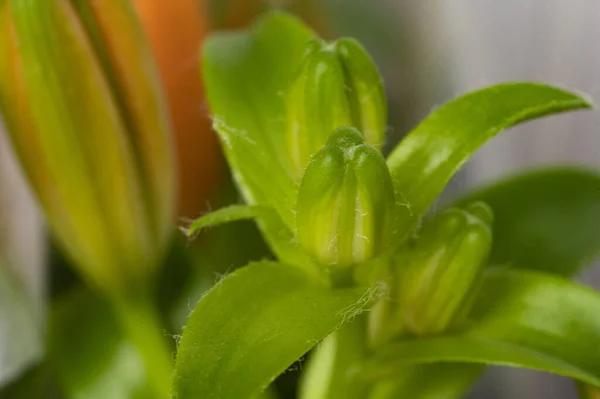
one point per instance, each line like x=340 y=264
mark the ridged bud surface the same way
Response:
x=338 y=85
x=439 y=277
x=346 y=202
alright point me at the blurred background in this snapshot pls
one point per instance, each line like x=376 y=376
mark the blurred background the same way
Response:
x=429 y=51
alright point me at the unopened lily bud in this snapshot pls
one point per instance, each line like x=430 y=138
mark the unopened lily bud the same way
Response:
x=365 y=91
x=338 y=85
x=345 y=202
x=440 y=275
x=85 y=113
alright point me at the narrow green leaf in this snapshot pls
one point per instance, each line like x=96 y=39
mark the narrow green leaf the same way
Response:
x=521 y=319
x=89 y=354
x=545 y=220
x=280 y=238
x=232 y=213
x=429 y=156
x=254 y=324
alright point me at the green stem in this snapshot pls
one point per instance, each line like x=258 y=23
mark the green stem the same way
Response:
x=330 y=373
x=142 y=324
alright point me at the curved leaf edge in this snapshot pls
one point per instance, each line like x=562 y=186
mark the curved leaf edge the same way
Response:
x=362 y=298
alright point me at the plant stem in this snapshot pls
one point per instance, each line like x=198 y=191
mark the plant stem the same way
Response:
x=330 y=374
x=141 y=323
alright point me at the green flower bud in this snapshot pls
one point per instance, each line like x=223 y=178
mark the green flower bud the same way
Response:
x=338 y=85
x=365 y=91
x=346 y=202
x=440 y=275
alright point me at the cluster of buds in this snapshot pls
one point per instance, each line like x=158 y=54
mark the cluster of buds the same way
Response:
x=338 y=85
x=336 y=117
x=346 y=208
x=82 y=101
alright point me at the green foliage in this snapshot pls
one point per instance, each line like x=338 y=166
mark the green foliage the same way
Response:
x=256 y=322
x=522 y=319
x=253 y=325
x=405 y=307
x=90 y=354
x=423 y=163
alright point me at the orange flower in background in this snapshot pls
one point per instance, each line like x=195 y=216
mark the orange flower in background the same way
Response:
x=176 y=29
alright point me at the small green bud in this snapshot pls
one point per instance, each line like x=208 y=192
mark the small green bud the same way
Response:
x=365 y=91
x=338 y=85
x=346 y=201
x=439 y=277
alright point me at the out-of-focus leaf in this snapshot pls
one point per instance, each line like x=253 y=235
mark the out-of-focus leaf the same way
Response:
x=429 y=381
x=89 y=354
x=254 y=324
x=428 y=157
x=546 y=220
x=587 y=391
x=21 y=343
x=37 y=382
x=521 y=319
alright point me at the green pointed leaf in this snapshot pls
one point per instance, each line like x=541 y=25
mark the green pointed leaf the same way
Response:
x=254 y=324
x=545 y=220
x=89 y=354
x=245 y=75
x=429 y=156
x=521 y=319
